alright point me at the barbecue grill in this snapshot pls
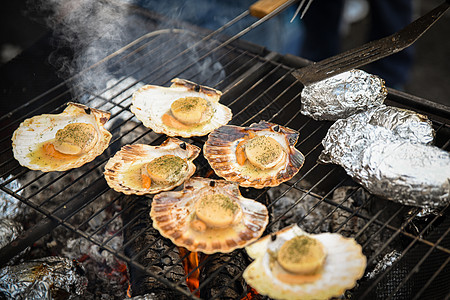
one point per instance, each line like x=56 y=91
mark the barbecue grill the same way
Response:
x=408 y=249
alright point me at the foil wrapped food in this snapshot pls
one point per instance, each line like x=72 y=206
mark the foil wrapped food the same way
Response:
x=46 y=278
x=342 y=95
x=387 y=150
x=9 y=231
x=10 y=207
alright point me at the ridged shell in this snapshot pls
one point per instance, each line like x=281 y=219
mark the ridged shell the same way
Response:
x=35 y=131
x=173 y=212
x=343 y=266
x=220 y=151
x=151 y=102
x=122 y=171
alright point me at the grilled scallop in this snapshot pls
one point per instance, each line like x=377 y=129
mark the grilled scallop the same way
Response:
x=184 y=109
x=292 y=264
x=258 y=156
x=143 y=169
x=208 y=216
x=59 y=142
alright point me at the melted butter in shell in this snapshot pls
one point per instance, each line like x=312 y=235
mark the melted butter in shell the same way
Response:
x=47 y=156
x=71 y=142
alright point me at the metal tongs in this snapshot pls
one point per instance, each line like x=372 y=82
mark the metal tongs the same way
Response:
x=371 y=51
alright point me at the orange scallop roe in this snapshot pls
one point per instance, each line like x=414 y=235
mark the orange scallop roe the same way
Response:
x=240 y=153
x=146 y=180
x=170 y=121
x=50 y=150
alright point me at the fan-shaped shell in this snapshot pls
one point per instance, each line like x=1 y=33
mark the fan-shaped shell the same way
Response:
x=123 y=170
x=151 y=102
x=220 y=151
x=343 y=266
x=174 y=214
x=28 y=140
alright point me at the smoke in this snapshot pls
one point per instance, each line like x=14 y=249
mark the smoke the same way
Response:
x=87 y=31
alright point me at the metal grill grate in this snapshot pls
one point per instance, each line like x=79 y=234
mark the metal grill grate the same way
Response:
x=257 y=85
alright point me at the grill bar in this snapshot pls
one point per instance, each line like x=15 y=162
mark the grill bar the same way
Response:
x=418 y=265
x=432 y=278
x=415 y=269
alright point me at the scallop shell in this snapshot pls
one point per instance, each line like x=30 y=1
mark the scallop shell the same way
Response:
x=173 y=213
x=220 y=151
x=28 y=139
x=151 y=102
x=343 y=266
x=122 y=171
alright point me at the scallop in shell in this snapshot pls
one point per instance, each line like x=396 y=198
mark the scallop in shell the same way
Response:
x=184 y=109
x=59 y=142
x=208 y=216
x=258 y=156
x=143 y=169
x=292 y=264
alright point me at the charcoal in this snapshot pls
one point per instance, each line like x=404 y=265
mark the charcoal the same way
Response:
x=220 y=277
x=287 y=212
x=150 y=250
x=395 y=267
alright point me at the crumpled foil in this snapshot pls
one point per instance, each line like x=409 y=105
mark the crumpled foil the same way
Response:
x=347 y=138
x=384 y=263
x=10 y=207
x=342 y=95
x=46 y=278
x=9 y=231
x=387 y=150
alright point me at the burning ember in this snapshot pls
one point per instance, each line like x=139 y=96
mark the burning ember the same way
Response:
x=190 y=264
x=252 y=294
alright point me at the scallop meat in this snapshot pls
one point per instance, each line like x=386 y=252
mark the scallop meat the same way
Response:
x=208 y=216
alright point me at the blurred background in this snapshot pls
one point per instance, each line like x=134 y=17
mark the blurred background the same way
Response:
x=24 y=23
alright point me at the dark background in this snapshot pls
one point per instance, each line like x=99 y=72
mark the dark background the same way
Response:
x=430 y=78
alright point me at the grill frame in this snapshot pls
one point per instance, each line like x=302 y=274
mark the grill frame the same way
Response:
x=262 y=66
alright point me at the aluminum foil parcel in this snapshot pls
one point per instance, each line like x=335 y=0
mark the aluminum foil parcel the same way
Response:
x=9 y=231
x=388 y=151
x=46 y=278
x=342 y=95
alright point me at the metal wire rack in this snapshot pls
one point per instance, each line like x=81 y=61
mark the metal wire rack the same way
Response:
x=257 y=85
